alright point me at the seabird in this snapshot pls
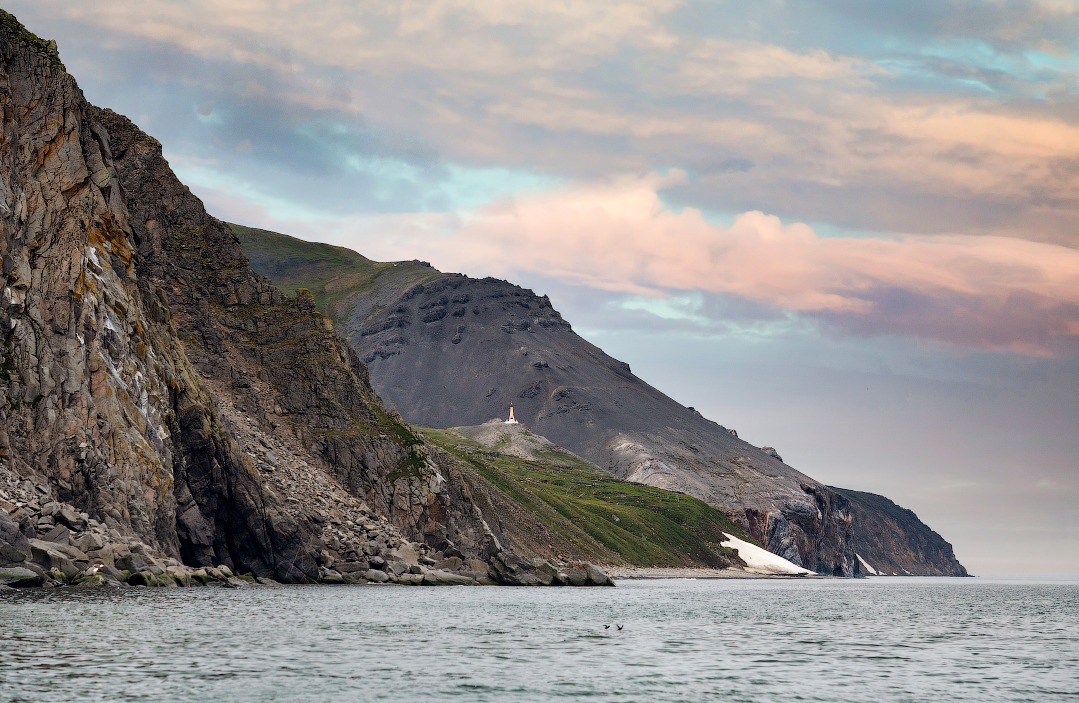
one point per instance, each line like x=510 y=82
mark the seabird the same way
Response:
x=606 y=627
x=621 y=626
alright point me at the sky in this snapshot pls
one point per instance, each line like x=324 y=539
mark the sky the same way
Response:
x=848 y=230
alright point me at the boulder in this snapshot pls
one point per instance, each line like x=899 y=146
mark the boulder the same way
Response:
x=598 y=577
x=376 y=576
x=397 y=569
x=447 y=578
x=58 y=534
x=71 y=517
x=573 y=576
x=20 y=577
x=132 y=562
x=50 y=557
x=509 y=569
x=328 y=575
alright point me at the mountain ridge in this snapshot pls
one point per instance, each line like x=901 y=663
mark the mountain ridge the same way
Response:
x=407 y=330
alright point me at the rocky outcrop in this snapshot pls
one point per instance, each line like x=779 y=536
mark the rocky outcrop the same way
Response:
x=891 y=540
x=162 y=393
x=451 y=351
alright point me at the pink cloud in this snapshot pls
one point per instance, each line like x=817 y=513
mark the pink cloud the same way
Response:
x=974 y=291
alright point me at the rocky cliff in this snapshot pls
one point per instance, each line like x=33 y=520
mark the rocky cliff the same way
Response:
x=168 y=395
x=891 y=540
x=448 y=350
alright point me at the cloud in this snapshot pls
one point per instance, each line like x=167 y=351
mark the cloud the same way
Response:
x=973 y=292
x=907 y=117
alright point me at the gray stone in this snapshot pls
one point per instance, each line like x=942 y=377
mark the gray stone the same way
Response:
x=327 y=575
x=132 y=562
x=20 y=577
x=50 y=557
x=72 y=518
x=598 y=577
x=446 y=578
x=572 y=576
x=397 y=568
x=376 y=575
x=58 y=534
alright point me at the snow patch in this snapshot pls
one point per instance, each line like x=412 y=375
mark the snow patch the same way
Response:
x=762 y=561
x=865 y=565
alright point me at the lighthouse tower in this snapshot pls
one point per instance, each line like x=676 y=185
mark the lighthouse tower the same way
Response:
x=511 y=421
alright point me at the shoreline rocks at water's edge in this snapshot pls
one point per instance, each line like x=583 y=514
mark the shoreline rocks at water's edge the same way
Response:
x=47 y=543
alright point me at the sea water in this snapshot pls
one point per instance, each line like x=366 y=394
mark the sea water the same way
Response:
x=881 y=639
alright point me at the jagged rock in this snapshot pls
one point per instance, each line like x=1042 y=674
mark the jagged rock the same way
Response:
x=891 y=539
x=770 y=451
x=14 y=546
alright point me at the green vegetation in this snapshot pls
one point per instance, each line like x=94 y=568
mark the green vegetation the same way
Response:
x=644 y=526
x=330 y=273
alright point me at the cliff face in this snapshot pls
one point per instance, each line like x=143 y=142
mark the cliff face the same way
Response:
x=458 y=351
x=151 y=380
x=447 y=350
x=890 y=539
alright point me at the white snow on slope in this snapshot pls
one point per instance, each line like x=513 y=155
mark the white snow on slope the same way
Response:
x=760 y=561
x=865 y=565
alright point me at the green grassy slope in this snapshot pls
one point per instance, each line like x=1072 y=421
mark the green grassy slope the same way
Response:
x=331 y=273
x=585 y=513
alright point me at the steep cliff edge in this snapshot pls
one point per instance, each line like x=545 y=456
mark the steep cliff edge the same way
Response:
x=157 y=392
x=891 y=540
x=448 y=350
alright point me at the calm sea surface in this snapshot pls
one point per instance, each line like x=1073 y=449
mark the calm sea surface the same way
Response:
x=731 y=640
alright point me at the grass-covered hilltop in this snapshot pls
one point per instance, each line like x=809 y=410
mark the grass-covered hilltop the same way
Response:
x=554 y=503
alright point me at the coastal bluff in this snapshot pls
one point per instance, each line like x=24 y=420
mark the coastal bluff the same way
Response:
x=170 y=417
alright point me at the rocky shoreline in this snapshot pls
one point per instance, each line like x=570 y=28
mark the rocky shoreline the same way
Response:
x=48 y=543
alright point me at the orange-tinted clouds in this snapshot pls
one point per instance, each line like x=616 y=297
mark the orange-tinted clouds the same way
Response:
x=972 y=291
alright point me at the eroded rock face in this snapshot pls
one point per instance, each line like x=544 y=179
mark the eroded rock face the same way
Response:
x=161 y=393
x=891 y=540
x=498 y=344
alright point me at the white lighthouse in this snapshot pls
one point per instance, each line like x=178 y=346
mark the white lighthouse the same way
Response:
x=511 y=421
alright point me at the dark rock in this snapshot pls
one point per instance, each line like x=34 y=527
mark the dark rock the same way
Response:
x=132 y=562
x=892 y=540
x=14 y=546
x=59 y=535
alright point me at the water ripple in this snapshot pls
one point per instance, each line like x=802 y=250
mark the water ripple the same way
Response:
x=883 y=639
